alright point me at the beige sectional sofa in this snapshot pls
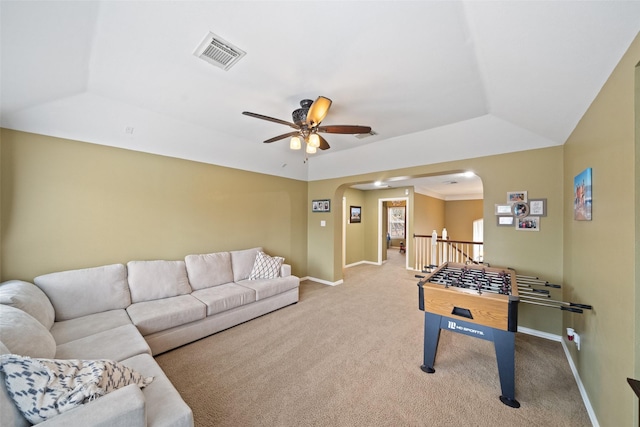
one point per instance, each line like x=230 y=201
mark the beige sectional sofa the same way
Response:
x=130 y=313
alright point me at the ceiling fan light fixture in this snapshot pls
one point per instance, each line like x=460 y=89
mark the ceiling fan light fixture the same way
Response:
x=311 y=149
x=314 y=140
x=318 y=111
x=295 y=143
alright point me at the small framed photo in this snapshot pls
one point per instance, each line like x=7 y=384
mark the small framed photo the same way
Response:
x=355 y=214
x=520 y=209
x=528 y=223
x=538 y=207
x=516 y=196
x=503 y=209
x=321 y=205
x=505 y=221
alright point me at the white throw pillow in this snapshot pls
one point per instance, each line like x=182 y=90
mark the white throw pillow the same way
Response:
x=44 y=388
x=266 y=267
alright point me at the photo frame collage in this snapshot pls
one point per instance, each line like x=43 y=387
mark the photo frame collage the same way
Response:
x=521 y=212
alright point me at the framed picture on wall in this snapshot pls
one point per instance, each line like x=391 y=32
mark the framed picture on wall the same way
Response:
x=538 y=207
x=520 y=209
x=516 y=196
x=528 y=223
x=355 y=214
x=505 y=221
x=582 y=202
x=321 y=205
x=503 y=209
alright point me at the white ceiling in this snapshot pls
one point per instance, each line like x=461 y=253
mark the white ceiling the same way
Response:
x=436 y=80
x=451 y=186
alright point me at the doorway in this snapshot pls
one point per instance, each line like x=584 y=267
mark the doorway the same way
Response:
x=393 y=217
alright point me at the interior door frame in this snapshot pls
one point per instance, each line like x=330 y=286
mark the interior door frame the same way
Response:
x=382 y=240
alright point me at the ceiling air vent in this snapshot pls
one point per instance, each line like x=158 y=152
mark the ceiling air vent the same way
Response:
x=219 y=52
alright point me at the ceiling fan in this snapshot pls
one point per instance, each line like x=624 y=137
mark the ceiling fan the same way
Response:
x=306 y=122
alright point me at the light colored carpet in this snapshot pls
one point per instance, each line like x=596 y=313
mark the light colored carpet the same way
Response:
x=350 y=355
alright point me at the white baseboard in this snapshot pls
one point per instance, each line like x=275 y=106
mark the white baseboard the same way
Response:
x=324 y=282
x=583 y=392
x=362 y=262
x=540 y=334
x=339 y=282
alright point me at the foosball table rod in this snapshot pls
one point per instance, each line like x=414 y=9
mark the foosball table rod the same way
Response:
x=527 y=288
x=471 y=286
x=535 y=281
x=562 y=305
x=528 y=292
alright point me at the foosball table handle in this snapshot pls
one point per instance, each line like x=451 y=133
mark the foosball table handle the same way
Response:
x=572 y=309
x=585 y=306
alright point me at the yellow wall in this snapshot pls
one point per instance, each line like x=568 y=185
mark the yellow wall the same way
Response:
x=429 y=215
x=67 y=204
x=600 y=256
x=459 y=217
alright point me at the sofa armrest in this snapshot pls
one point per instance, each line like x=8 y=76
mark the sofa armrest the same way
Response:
x=121 y=408
x=285 y=270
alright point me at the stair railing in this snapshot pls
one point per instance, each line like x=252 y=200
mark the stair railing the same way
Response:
x=429 y=251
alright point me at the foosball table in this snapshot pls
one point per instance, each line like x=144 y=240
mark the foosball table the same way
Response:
x=481 y=301
x=474 y=300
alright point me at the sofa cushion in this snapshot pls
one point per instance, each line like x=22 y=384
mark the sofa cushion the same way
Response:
x=28 y=298
x=23 y=334
x=158 y=315
x=153 y=280
x=225 y=297
x=114 y=344
x=242 y=263
x=164 y=405
x=208 y=270
x=80 y=327
x=266 y=288
x=44 y=388
x=266 y=267
x=76 y=293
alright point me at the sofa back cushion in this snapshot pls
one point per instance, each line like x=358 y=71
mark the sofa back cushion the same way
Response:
x=28 y=298
x=152 y=280
x=76 y=293
x=23 y=334
x=242 y=263
x=207 y=270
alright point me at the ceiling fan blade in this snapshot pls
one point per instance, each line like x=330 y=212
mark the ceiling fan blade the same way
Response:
x=271 y=119
x=283 y=136
x=324 y=145
x=318 y=111
x=347 y=129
